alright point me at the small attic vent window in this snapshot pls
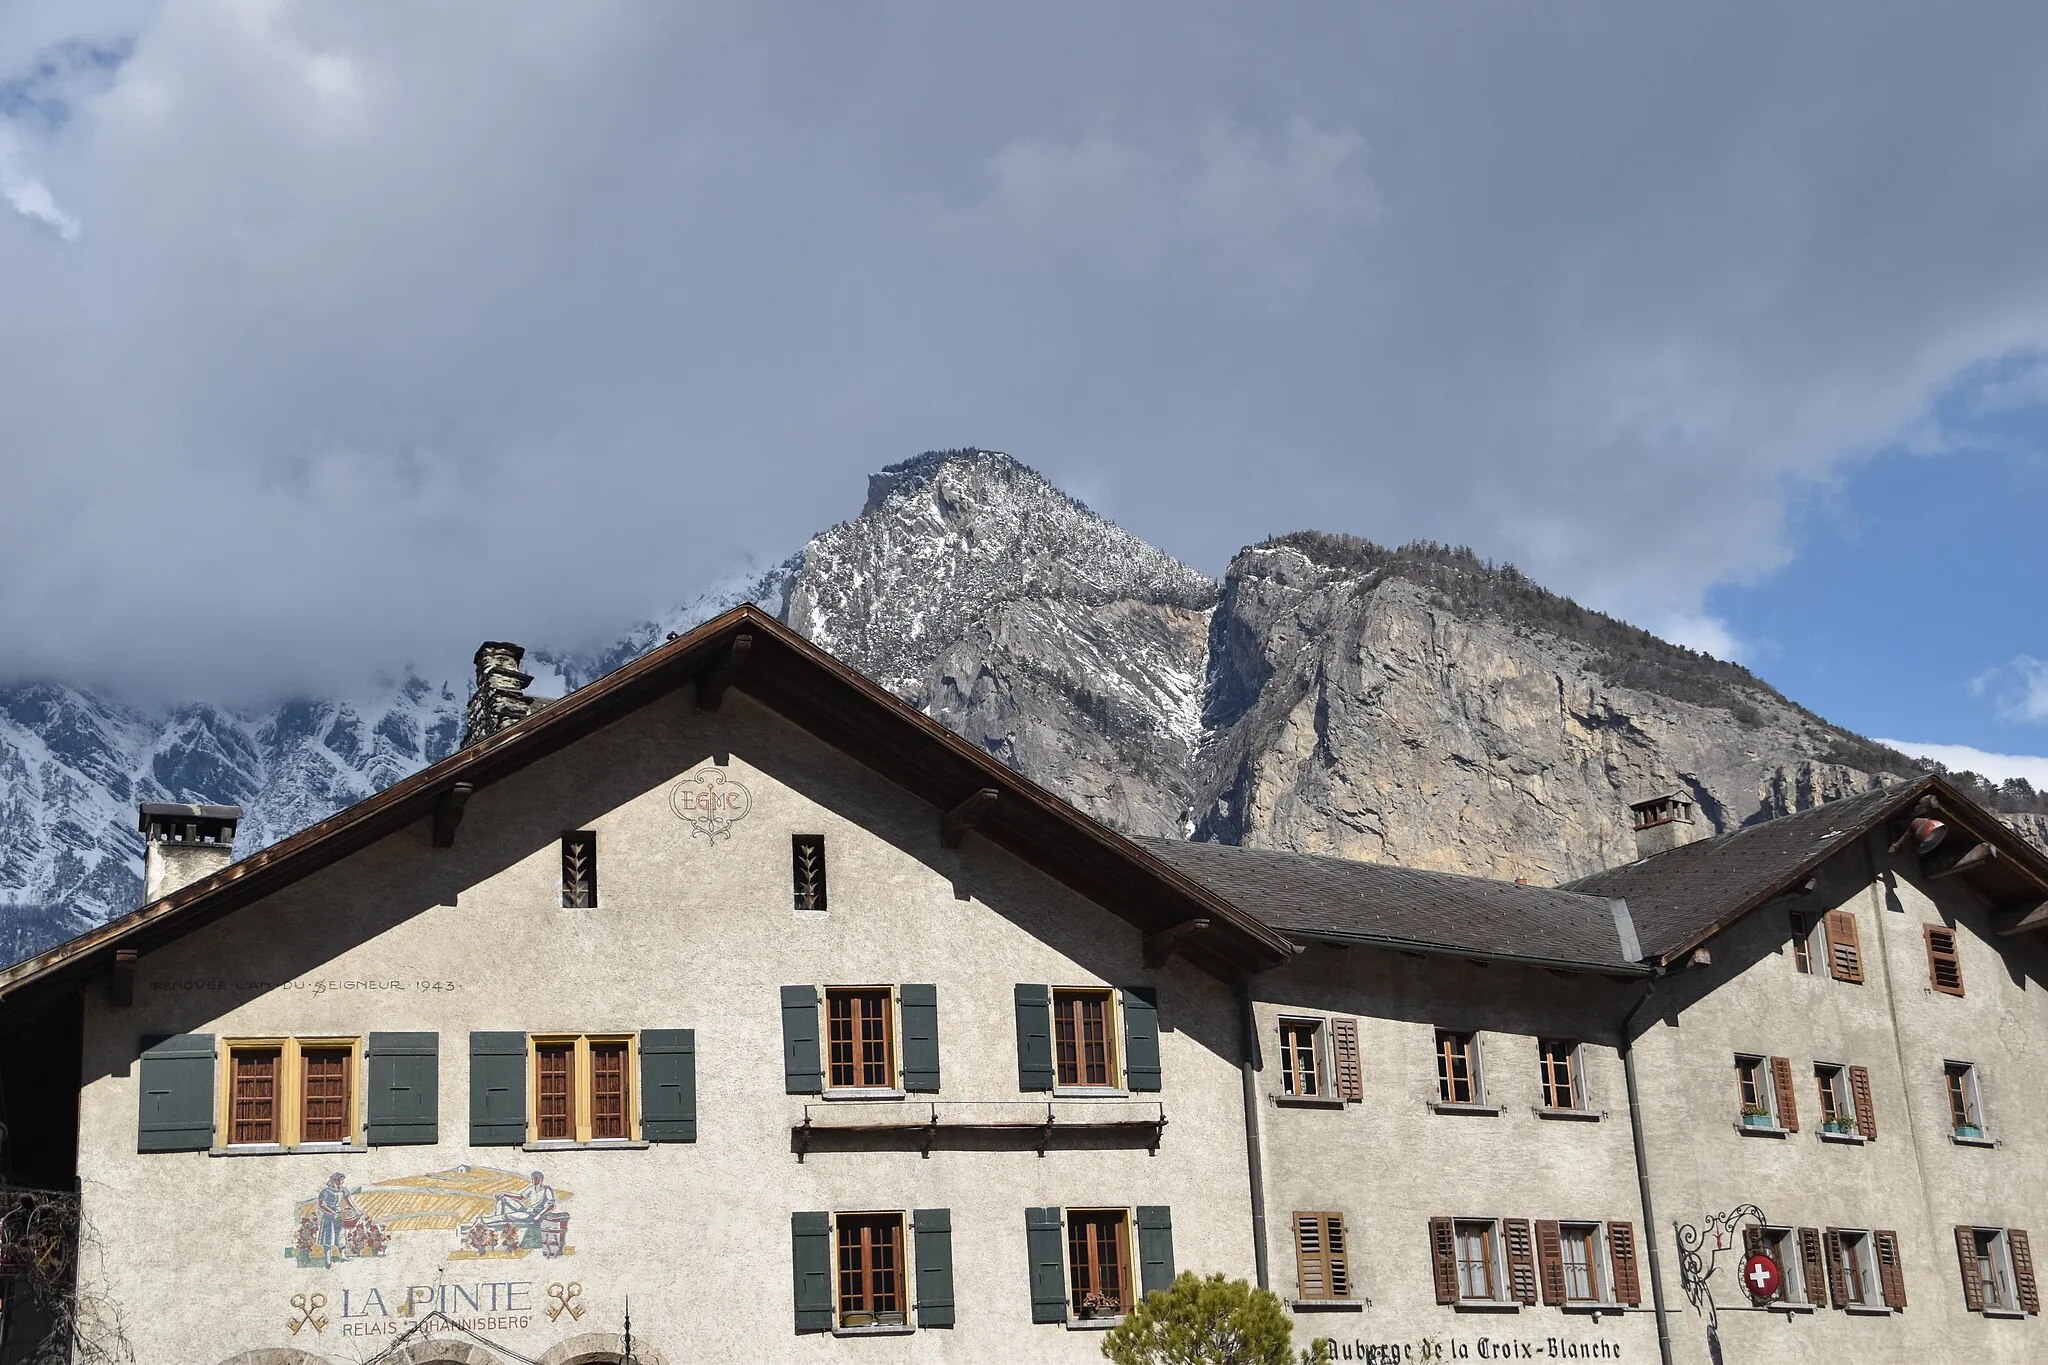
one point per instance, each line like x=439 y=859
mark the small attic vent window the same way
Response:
x=579 y=870
x=1661 y=810
x=807 y=871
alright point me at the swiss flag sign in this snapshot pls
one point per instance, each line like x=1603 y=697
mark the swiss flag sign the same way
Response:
x=1761 y=1276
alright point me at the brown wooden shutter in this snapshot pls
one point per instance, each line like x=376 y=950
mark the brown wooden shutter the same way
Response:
x=1816 y=1266
x=1838 y=1279
x=1521 y=1260
x=1350 y=1080
x=1311 y=1258
x=1944 y=966
x=1866 y=1112
x=1443 y=1256
x=1550 y=1261
x=1753 y=1240
x=1891 y=1275
x=1628 y=1283
x=2023 y=1269
x=1973 y=1284
x=1788 y=1100
x=1845 y=948
x=1338 y=1254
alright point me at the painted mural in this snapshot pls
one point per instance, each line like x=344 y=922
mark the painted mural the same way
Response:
x=487 y=1213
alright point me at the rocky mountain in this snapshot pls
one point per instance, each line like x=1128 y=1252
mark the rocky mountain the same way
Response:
x=1414 y=705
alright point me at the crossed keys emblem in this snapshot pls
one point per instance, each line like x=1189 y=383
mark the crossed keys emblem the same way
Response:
x=308 y=1307
x=565 y=1296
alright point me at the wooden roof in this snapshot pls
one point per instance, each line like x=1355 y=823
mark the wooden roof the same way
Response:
x=785 y=672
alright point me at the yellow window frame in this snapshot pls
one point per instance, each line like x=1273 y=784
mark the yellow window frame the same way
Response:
x=582 y=1096
x=291 y=1080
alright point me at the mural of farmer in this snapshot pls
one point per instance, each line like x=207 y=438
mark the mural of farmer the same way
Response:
x=528 y=1206
x=337 y=1214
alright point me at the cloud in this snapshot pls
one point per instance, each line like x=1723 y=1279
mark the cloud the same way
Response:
x=1707 y=634
x=388 y=329
x=1963 y=758
x=2017 y=689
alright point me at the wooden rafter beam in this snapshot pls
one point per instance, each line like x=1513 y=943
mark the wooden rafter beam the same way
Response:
x=121 y=984
x=1167 y=942
x=713 y=681
x=1981 y=856
x=448 y=813
x=955 y=823
x=2027 y=921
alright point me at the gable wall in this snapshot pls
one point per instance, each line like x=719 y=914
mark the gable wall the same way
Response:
x=690 y=932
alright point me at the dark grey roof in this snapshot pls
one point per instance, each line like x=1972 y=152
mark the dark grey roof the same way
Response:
x=1310 y=897
x=1678 y=896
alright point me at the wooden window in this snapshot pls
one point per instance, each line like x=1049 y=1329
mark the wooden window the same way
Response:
x=1322 y=1263
x=1098 y=1262
x=1965 y=1108
x=1084 y=1048
x=1994 y=1269
x=1559 y=1061
x=860 y=1040
x=255 y=1116
x=1457 y=1067
x=1851 y=1267
x=1477 y=1249
x=807 y=871
x=1782 y=1246
x=1845 y=949
x=1759 y=1093
x=555 y=1094
x=579 y=869
x=1837 y=1109
x=582 y=1088
x=1579 y=1252
x=609 y=1113
x=1944 y=966
x=1301 y=1066
x=872 y=1292
x=1802 y=942
x=325 y=1085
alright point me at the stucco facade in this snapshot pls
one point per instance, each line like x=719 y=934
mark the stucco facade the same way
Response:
x=690 y=931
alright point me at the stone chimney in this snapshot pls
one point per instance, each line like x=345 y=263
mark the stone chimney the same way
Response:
x=500 y=697
x=1663 y=823
x=183 y=843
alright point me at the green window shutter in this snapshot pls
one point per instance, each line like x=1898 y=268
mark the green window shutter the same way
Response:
x=1034 y=1038
x=497 y=1089
x=176 y=1087
x=810 y=1262
x=668 y=1084
x=933 y=1230
x=1048 y=1262
x=803 y=1071
x=1155 y=1248
x=920 y=1037
x=1141 y=1037
x=405 y=1089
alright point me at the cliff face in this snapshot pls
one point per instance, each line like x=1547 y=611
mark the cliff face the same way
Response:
x=1406 y=708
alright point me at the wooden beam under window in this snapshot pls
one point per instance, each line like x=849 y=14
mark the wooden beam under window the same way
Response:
x=713 y=681
x=1165 y=943
x=448 y=813
x=955 y=823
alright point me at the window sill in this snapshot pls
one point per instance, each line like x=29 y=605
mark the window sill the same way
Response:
x=1089 y=1092
x=1327 y=1305
x=1867 y=1310
x=601 y=1145
x=1309 y=1101
x=1590 y=1308
x=1856 y=1139
x=863 y=1093
x=275 y=1149
x=1582 y=1115
x=1781 y=1306
x=1487 y=1306
x=1959 y=1140
x=1449 y=1107
x=1756 y=1130
x=883 y=1329
x=2003 y=1312
x=1094 y=1324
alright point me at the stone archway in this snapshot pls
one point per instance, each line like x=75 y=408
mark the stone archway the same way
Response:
x=443 y=1353
x=276 y=1355
x=599 y=1348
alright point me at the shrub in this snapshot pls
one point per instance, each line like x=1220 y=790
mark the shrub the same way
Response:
x=1216 y=1321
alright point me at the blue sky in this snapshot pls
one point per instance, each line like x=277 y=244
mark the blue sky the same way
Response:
x=1720 y=318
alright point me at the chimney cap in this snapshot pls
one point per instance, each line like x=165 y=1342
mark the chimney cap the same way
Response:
x=518 y=652
x=182 y=810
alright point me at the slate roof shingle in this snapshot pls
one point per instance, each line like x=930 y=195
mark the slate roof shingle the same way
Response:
x=1304 y=895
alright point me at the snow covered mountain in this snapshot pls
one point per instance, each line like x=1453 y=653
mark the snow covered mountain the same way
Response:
x=1415 y=706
